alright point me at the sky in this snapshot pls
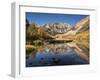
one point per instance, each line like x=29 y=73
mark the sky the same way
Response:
x=44 y=18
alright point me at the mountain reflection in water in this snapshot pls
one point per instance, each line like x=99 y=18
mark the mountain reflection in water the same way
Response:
x=59 y=54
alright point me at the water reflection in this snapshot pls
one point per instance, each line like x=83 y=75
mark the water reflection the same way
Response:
x=57 y=49
x=59 y=54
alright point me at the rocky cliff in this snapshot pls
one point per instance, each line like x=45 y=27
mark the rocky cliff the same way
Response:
x=82 y=25
x=57 y=28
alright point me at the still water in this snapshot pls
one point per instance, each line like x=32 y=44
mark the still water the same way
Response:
x=59 y=54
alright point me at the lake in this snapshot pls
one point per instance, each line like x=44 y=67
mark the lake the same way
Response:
x=59 y=54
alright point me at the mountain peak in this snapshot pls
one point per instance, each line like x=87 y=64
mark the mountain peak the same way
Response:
x=57 y=27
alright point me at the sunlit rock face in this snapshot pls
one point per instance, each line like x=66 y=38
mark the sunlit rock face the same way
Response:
x=82 y=25
x=57 y=28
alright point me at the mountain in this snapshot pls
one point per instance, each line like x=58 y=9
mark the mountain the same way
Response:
x=62 y=31
x=57 y=28
x=80 y=27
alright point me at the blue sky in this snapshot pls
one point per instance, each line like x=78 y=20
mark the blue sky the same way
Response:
x=44 y=18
